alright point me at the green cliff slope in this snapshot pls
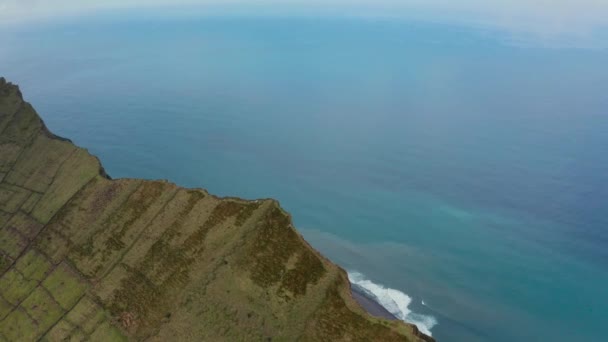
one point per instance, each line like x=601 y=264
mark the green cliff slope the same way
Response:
x=84 y=257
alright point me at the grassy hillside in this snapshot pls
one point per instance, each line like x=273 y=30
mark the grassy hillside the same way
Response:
x=84 y=257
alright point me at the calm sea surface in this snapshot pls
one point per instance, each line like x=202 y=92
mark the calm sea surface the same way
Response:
x=451 y=165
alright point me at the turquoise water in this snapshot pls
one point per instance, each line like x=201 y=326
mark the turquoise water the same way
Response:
x=443 y=162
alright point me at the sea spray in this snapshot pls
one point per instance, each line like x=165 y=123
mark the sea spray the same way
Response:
x=395 y=301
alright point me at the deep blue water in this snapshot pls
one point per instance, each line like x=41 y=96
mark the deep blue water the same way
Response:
x=441 y=161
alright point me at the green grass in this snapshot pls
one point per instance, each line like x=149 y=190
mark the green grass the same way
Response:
x=60 y=332
x=29 y=204
x=15 y=287
x=336 y=321
x=12 y=242
x=5 y=262
x=38 y=164
x=52 y=244
x=5 y=308
x=23 y=127
x=9 y=152
x=274 y=244
x=87 y=315
x=4 y=217
x=105 y=332
x=74 y=173
x=18 y=326
x=65 y=285
x=27 y=226
x=10 y=100
x=33 y=265
x=43 y=309
x=12 y=197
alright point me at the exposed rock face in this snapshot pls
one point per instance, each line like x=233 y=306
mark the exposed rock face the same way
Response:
x=85 y=257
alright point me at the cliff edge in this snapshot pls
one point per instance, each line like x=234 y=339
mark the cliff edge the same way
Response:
x=84 y=257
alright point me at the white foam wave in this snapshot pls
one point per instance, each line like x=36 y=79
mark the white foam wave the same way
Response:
x=395 y=301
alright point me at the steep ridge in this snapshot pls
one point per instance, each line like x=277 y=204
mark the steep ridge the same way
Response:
x=84 y=257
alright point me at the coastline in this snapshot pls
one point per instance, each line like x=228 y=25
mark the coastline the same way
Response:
x=375 y=309
x=371 y=306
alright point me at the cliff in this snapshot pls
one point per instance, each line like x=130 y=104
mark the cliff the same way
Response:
x=84 y=257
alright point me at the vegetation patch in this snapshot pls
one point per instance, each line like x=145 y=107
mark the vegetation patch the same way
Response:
x=30 y=203
x=38 y=164
x=40 y=306
x=308 y=269
x=78 y=335
x=165 y=260
x=33 y=265
x=5 y=262
x=23 y=127
x=138 y=297
x=74 y=173
x=10 y=101
x=60 y=332
x=4 y=217
x=8 y=155
x=224 y=210
x=52 y=244
x=12 y=242
x=274 y=243
x=15 y=287
x=107 y=332
x=27 y=226
x=336 y=321
x=5 y=308
x=86 y=314
x=65 y=285
x=18 y=326
x=134 y=208
x=246 y=212
x=12 y=197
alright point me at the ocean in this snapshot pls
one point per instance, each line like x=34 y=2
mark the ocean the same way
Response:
x=459 y=175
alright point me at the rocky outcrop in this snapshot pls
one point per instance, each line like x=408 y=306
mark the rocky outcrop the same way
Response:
x=89 y=258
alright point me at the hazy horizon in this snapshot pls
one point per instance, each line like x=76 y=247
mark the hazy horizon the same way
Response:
x=558 y=23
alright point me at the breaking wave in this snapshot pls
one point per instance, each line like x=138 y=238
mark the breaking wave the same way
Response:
x=395 y=301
